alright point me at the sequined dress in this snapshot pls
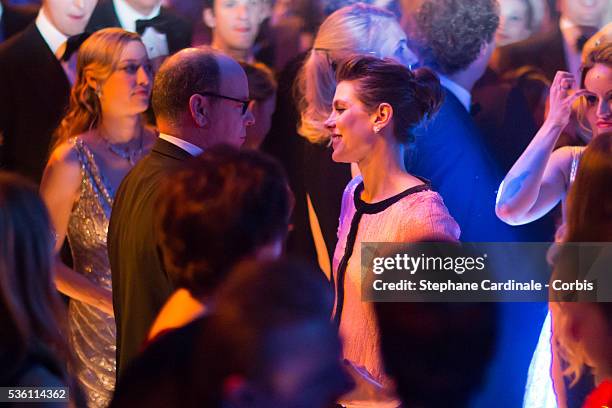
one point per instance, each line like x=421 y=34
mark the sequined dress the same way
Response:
x=92 y=332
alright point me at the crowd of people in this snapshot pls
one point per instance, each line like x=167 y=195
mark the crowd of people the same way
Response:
x=185 y=188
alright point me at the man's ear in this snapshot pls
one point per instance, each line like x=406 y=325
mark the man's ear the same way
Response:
x=199 y=108
x=208 y=16
x=382 y=116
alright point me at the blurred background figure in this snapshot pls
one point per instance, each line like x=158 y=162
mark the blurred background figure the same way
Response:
x=163 y=32
x=262 y=93
x=516 y=21
x=14 y=19
x=292 y=27
x=100 y=139
x=238 y=203
x=267 y=342
x=235 y=25
x=37 y=69
x=560 y=48
x=33 y=347
x=428 y=369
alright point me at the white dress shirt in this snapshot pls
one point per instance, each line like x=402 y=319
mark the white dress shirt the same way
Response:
x=155 y=42
x=52 y=36
x=460 y=92
x=183 y=144
x=56 y=40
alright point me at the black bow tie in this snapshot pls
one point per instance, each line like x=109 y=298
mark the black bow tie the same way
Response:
x=159 y=23
x=73 y=44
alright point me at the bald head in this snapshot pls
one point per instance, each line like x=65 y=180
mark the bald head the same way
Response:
x=189 y=71
x=200 y=95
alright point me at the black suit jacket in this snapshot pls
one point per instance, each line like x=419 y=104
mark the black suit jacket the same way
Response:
x=15 y=19
x=34 y=94
x=178 y=36
x=544 y=51
x=451 y=152
x=140 y=284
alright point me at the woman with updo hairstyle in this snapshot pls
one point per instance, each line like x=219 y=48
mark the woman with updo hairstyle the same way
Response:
x=100 y=139
x=376 y=106
x=317 y=181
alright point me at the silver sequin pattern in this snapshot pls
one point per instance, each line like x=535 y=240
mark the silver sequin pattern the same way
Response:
x=92 y=332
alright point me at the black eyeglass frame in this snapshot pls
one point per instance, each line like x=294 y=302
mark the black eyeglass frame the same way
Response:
x=245 y=103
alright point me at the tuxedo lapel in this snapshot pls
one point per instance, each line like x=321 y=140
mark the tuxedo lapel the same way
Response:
x=554 y=60
x=179 y=34
x=103 y=16
x=164 y=148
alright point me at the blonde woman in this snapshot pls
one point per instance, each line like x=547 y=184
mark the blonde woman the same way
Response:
x=100 y=139
x=350 y=30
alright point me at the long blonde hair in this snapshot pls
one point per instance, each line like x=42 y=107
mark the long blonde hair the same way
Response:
x=355 y=29
x=98 y=58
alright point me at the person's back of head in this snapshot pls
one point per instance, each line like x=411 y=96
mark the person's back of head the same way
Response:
x=355 y=29
x=268 y=342
x=437 y=353
x=450 y=36
x=222 y=207
x=32 y=317
x=201 y=96
x=270 y=339
x=589 y=200
x=583 y=330
x=262 y=93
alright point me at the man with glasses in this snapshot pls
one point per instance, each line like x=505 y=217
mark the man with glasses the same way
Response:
x=200 y=98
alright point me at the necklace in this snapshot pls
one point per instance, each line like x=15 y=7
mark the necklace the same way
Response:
x=131 y=155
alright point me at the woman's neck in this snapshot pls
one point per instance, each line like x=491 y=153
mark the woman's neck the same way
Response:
x=120 y=129
x=384 y=173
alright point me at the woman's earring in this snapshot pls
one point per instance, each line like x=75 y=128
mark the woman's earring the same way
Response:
x=98 y=93
x=376 y=129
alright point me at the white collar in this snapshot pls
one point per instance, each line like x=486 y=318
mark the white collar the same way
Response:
x=460 y=92
x=127 y=15
x=183 y=144
x=52 y=36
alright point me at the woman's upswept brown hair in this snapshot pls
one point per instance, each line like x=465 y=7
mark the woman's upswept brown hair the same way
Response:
x=98 y=57
x=31 y=312
x=414 y=95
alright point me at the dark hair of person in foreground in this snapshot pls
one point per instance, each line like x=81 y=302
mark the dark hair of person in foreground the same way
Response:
x=33 y=346
x=268 y=342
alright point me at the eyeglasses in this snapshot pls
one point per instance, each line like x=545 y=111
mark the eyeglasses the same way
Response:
x=245 y=103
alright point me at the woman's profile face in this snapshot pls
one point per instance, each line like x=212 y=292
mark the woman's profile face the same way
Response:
x=128 y=89
x=350 y=125
x=598 y=82
x=395 y=45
